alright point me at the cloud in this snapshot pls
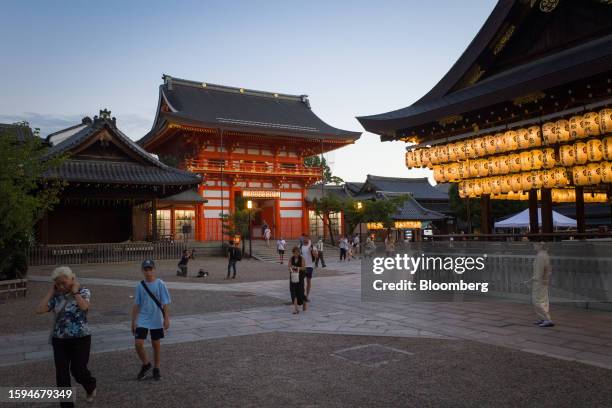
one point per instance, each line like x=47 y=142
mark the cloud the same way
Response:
x=133 y=125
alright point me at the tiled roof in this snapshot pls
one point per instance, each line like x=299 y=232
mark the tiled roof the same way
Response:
x=418 y=188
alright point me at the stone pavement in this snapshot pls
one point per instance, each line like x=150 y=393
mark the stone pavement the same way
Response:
x=336 y=308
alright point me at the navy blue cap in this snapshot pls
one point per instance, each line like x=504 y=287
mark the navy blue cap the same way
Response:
x=148 y=263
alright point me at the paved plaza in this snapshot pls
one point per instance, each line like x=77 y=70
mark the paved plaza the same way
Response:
x=581 y=340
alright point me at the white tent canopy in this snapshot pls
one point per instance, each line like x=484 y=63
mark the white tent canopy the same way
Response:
x=521 y=220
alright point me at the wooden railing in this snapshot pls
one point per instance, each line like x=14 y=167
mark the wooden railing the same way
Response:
x=103 y=253
x=199 y=165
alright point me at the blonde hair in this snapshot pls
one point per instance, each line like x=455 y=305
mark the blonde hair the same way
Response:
x=62 y=271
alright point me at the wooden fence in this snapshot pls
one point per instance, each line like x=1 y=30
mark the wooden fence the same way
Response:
x=104 y=253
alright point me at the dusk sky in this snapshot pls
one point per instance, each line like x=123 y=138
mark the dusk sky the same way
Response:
x=62 y=60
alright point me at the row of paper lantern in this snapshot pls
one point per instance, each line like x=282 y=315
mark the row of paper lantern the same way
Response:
x=559 y=195
x=561 y=131
x=536 y=159
x=591 y=174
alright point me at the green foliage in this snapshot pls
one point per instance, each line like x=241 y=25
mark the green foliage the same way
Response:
x=237 y=223
x=24 y=198
x=328 y=178
x=383 y=210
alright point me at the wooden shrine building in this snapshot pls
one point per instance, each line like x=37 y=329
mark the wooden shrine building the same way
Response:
x=112 y=186
x=524 y=114
x=244 y=143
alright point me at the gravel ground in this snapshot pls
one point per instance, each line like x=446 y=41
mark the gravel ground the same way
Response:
x=111 y=304
x=292 y=370
x=248 y=270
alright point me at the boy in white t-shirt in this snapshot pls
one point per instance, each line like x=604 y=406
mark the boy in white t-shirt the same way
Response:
x=280 y=247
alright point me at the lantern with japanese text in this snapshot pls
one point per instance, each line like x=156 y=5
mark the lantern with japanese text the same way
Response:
x=438 y=173
x=464 y=169
x=496 y=185
x=591 y=124
x=486 y=186
x=494 y=165
x=594 y=173
x=527 y=181
x=490 y=144
x=606 y=171
x=580 y=176
x=504 y=165
x=546 y=179
x=510 y=140
x=443 y=153
x=548 y=158
x=577 y=127
x=605 y=120
x=409 y=160
x=468 y=148
x=480 y=146
x=499 y=143
x=474 y=168
x=580 y=153
x=522 y=136
x=516 y=182
x=606 y=145
x=567 y=155
x=537 y=159
x=506 y=183
x=477 y=187
x=594 y=150
x=425 y=157
x=483 y=168
x=451 y=172
x=562 y=130
x=534 y=136
x=453 y=152
x=514 y=161
x=559 y=176
x=549 y=133
x=526 y=161
x=461 y=188
x=461 y=153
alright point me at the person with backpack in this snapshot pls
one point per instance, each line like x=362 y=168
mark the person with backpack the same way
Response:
x=234 y=254
x=309 y=253
x=296 y=280
x=150 y=314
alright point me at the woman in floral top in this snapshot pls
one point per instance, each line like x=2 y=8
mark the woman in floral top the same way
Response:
x=71 y=337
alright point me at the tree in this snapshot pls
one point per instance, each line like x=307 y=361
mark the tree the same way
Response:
x=317 y=161
x=24 y=197
x=383 y=210
x=237 y=223
x=326 y=206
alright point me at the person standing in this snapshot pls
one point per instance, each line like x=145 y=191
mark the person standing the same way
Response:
x=70 y=335
x=296 y=280
x=542 y=272
x=389 y=245
x=233 y=255
x=343 y=245
x=280 y=247
x=187 y=255
x=309 y=254
x=267 y=236
x=356 y=245
x=370 y=248
x=264 y=226
x=150 y=313
x=319 y=247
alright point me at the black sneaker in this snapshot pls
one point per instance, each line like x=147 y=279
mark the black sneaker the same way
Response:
x=156 y=374
x=143 y=371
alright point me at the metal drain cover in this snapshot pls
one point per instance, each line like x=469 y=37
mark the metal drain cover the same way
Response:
x=371 y=355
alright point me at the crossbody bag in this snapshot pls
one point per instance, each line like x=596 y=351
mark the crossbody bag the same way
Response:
x=157 y=302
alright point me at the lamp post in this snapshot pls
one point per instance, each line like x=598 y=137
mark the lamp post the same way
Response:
x=250 y=207
x=359 y=208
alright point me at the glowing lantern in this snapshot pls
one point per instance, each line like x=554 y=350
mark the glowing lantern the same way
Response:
x=527 y=181
x=535 y=136
x=433 y=155
x=494 y=165
x=464 y=170
x=451 y=172
x=490 y=144
x=417 y=158
x=580 y=176
x=562 y=129
x=607 y=148
x=548 y=158
x=516 y=182
x=580 y=153
x=462 y=189
x=522 y=136
x=438 y=172
x=479 y=147
x=537 y=159
x=549 y=133
x=606 y=172
x=453 y=152
x=477 y=187
x=559 y=176
x=496 y=185
x=546 y=179
x=506 y=184
x=591 y=123
x=605 y=120
x=483 y=168
x=514 y=161
x=594 y=173
x=504 y=165
x=461 y=155
x=499 y=143
x=510 y=140
x=595 y=197
x=526 y=161
x=443 y=153
x=468 y=148
x=537 y=179
x=425 y=157
x=567 y=154
x=474 y=168
x=577 y=127
x=486 y=186
x=594 y=150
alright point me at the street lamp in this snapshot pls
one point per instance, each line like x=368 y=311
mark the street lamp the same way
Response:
x=250 y=207
x=359 y=207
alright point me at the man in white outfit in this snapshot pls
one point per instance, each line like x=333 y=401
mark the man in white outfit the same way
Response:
x=542 y=271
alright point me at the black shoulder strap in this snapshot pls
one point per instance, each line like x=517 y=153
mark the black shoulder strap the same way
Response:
x=157 y=302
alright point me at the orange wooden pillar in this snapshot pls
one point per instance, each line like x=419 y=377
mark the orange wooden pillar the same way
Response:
x=305 y=228
x=200 y=224
x=232 y=204
x=277 y=218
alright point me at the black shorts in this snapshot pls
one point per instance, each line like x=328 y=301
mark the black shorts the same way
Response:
x=141 y=333
x=281 y=251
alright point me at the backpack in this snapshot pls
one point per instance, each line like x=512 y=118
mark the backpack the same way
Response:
x=238 y=254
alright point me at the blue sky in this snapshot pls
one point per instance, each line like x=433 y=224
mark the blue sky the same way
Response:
x=62 y=60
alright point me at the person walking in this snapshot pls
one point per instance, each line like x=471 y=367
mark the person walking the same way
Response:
x=356 y=245
x=267 y=236
x=542 y=272
x=370 y=248
x=296 y=280
x=319 y=247
x=389 y=245
x=70 y=335
x=280 y=248
x=234 y=254
x=150 y=313
x=309 y=254
x=343 y=245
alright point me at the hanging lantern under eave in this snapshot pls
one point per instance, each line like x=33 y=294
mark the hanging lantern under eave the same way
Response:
x=425 y=157
x=464 y=169
x=433 y=155
x=474 y=166
x=504 y=164
x=510 y=140
x=499 y=143
x=496 y=185
x=606 y=148
x=605 y=120
x=606 y=171
x=480 y=145
x=549 y=133
x=461 y=150
x=410 y=163
x=580 y=153
x=548 y=158
x=594 y=173
x=478 y=187
x=483 y=168
x=438 y=174
x=514 y=162
x=577 y=127
x=567 y=155
x=535 y=136
x=506 y=183
x=486 y=186
x=468 y=149
x=580 y=176
x=453 y=151
x=537 y=159
x=591 y=124
x=522 y=137
x=451 y=172
x=490 y=144
x=527 y=181
x=546 y=179
x=562 y=130
x=461 y=189
x=594 y=150
x=559 y=177
x=516 y=182
x=494 y=165
x=526 y=161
